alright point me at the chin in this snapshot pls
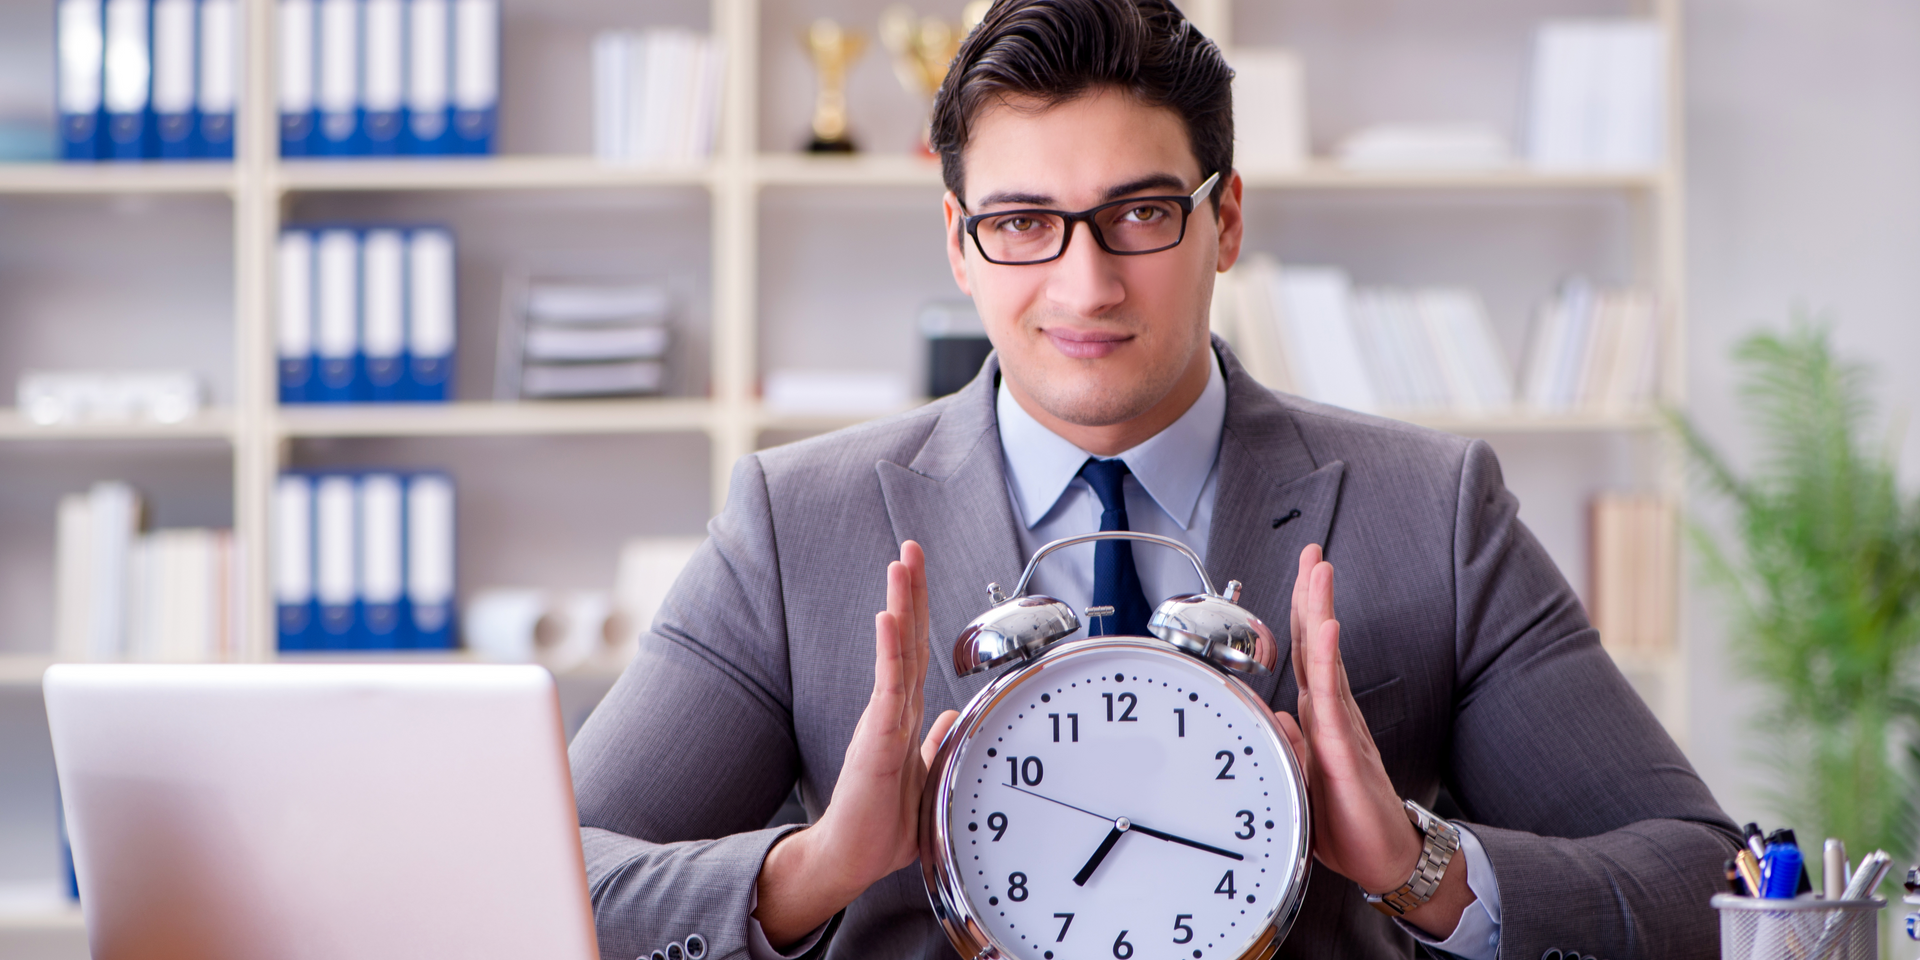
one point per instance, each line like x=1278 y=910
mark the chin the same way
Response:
x=1097 y=403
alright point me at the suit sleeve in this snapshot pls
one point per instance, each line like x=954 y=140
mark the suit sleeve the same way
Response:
x=692 y=751
x=1603 y=839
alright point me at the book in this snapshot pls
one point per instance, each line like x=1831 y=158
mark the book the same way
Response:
x=218 y=83
x=293 y=596
x=475 y=92
x=1593 y=351
x=295 y=79
x=1633 y=555
x=175 y=107
x=80 y=37
x=1598 y=95
x=383 y=76
x=429 y=107
x=336 y=562
x=336 y=316
x=656 y=95
x=430 y=572
x=383 y=315
x=337 y=57
x=127 y=87
x=382 y=557
x=1269 y=109
x=432 y=326
x=293 y=320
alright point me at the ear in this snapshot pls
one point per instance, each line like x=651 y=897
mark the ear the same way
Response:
x=956 y=251
x=1231 y=225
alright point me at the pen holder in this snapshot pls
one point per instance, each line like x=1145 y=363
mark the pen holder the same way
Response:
x=1806 y=929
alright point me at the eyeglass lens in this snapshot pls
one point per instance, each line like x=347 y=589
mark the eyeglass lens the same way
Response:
x=1024 y=236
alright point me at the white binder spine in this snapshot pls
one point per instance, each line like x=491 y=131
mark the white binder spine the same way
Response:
x=339 y=80
x=429 y=77
x=383 y=312
x=383 y=74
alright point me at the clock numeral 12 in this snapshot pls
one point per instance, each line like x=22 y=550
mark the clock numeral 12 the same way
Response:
x=1126 y=716
x=1074 y=721
x=1029 y=770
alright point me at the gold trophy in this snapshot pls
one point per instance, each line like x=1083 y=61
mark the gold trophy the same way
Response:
x=834 y=49
x=923 y=48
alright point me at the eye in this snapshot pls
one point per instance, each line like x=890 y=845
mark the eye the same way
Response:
x=1144 y=213
x=1016 y=224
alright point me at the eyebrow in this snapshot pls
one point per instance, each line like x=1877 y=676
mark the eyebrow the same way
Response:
x=1148 y=182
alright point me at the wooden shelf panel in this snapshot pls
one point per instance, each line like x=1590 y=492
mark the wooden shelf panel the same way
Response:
x=23 y=669
x=51 y=919
x=859 y=170
x=1475 y=425
x=117 y=178
x=480 y=173
x=1323 y=176
x=495 y=419
x=213 y=424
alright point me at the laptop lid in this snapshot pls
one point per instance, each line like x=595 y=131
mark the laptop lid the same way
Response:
x=320 y=811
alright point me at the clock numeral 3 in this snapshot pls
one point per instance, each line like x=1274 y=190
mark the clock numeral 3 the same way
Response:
x=1186 y=932
x=1225 y=887
x=1073 y=721
x=1126 y=716
x=997 y=822
x=1066 y=920
x=1246 y=815
x=1029 y=770
x=1223 y=774
x=1017 y=886
x=1121 y=948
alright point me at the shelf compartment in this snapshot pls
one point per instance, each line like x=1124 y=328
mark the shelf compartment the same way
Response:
x=859 y=170
x=208 y=424
x=1509 y=423
x=482 y=173
x=496 y=419
x=116 y=178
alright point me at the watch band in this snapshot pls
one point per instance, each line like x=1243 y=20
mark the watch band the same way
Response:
x=1442 y=841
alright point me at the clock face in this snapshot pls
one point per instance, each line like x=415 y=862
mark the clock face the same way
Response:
x=1122 y=798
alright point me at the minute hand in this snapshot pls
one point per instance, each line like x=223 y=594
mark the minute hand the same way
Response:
x=1197 y=845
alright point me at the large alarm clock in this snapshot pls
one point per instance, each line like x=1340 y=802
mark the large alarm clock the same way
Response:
x=1115 y=796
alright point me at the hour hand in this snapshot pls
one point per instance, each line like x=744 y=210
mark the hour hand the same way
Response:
x=1106 y=846
x=1197 y=845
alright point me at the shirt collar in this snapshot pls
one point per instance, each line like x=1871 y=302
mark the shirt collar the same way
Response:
x=1172 y=465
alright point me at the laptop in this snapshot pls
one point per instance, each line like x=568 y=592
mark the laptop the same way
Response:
x=309 y=811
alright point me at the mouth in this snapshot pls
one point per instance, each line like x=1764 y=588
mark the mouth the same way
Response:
x=1085 y=344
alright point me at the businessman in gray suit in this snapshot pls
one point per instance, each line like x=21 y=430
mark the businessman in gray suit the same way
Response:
x=1087 y=152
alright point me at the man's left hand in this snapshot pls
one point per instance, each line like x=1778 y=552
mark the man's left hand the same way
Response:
x=1360 y=827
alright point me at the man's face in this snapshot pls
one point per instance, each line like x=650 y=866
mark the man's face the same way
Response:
x=1092 y=338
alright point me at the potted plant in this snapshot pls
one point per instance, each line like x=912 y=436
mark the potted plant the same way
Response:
x=1821 y=567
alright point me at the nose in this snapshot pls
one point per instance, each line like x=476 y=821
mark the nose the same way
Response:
x=1086 y=281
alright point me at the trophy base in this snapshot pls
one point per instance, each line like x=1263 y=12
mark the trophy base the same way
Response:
x=840 y=145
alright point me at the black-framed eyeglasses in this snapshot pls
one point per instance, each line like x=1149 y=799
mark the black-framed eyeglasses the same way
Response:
x=1126 y=228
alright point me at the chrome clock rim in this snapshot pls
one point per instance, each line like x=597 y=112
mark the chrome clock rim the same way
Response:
x=939 y=864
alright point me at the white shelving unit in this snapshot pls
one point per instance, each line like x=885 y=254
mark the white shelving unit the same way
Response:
x=741 y=291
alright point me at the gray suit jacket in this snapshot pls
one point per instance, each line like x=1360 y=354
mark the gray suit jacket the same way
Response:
x=1470 y=657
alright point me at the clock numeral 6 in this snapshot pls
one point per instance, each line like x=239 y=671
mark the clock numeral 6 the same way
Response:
x=1186 y=932
x=997 y=822
x=1121 y=948
x=1029 y=770
x=1016 y=886
x=1246 y=815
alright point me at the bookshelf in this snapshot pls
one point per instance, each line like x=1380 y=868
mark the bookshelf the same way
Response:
x=759 y=294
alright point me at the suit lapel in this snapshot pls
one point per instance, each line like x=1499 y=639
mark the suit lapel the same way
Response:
x=952 y=498
x=1266 y=473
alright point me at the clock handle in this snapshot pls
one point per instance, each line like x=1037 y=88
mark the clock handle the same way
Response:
x=1206 y=582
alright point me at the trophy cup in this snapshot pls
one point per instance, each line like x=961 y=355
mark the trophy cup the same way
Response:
x=834 y=49
x=923 y=48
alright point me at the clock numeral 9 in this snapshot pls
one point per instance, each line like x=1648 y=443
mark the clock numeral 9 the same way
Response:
x=1186 y=932
x=1121 y=948
x=997 y=822
x=1126 y=716
x=1016 y=886
x=1223 y=774
x=1246 y=815
x=1029 y=770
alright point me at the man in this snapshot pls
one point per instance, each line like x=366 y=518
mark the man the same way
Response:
x=1464 y=661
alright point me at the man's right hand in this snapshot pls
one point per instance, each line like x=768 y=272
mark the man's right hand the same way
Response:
x=871 y=827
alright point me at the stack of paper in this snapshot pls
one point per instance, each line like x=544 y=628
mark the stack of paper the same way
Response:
x=1307 y=330
x=1632 y=572
x=1423 y=146
x=120 y=594
x=1599 y=95
x=656 y=95
x=591 y=340
x=1593 y=351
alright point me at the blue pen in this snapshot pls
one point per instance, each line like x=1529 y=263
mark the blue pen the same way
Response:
x=1780 y=870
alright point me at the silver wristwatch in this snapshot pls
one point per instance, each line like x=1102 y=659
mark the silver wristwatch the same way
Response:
x=1442 y=840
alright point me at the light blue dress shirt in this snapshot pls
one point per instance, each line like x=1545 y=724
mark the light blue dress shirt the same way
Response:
x=1170 y=491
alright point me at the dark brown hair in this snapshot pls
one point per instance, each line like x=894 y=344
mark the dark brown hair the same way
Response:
x=1054 y=51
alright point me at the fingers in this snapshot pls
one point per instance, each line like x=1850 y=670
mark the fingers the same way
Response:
x=938 y=732
x=1297 y=611
x=1302 y=749
x=889 y=686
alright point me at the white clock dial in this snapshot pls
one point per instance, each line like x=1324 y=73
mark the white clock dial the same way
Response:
x=1123 y=800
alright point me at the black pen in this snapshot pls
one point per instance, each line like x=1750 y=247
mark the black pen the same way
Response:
x=1756 y=842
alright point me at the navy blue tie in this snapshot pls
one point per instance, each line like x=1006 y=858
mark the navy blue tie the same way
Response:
x=1116 y=583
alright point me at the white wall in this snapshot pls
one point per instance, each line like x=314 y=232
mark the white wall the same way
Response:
x=1804 y=134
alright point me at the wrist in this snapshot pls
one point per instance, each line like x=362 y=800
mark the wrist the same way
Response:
x=800 y=887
